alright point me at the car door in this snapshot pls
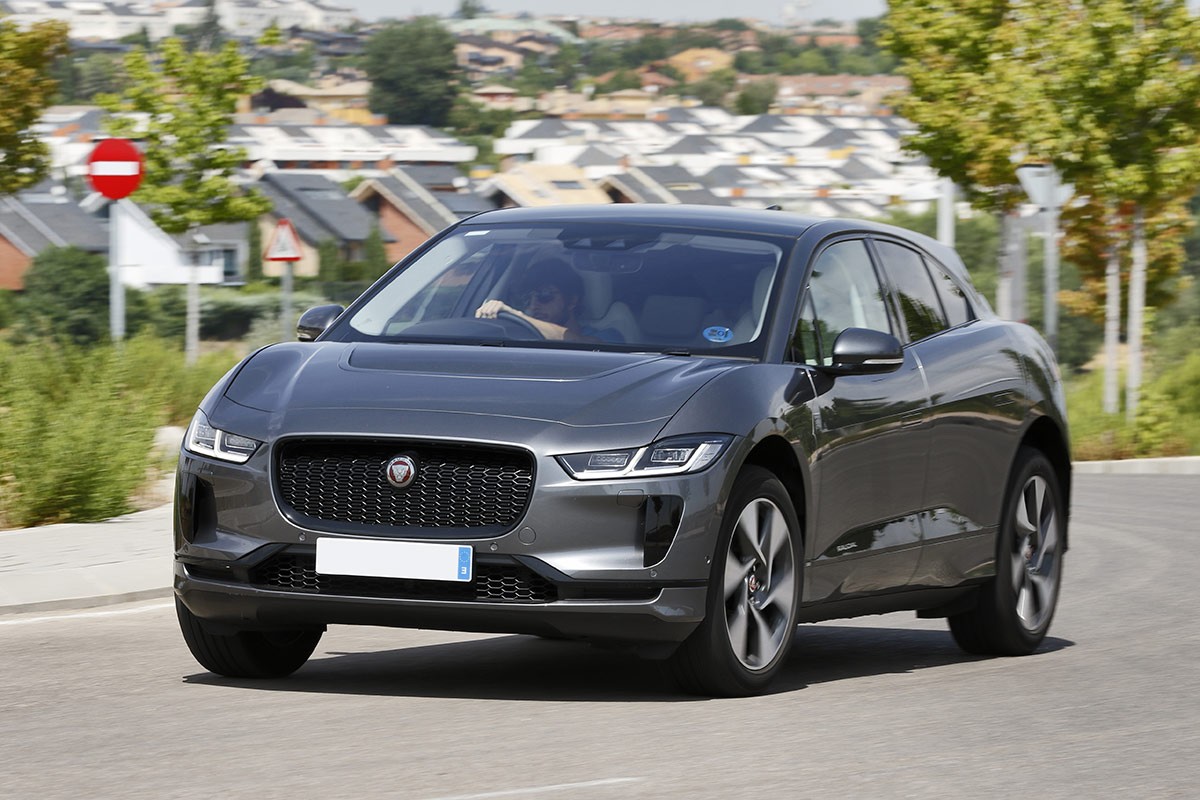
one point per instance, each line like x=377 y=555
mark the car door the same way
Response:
x=973 y=379
x=872 y=442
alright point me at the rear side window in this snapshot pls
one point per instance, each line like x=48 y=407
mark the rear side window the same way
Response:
x=954 y=301
x=920 y=304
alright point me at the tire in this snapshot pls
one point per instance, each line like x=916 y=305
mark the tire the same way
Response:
x=1016 y=606
x=753 y=594
x=246 y=654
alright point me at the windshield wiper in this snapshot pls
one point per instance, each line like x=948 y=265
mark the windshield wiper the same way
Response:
x=679 y=351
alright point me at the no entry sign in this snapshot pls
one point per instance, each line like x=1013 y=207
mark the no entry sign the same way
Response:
x=115 y=168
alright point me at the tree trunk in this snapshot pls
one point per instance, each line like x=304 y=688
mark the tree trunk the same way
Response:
x=1137 y=307
x=1005 y=306
x=1112 y=320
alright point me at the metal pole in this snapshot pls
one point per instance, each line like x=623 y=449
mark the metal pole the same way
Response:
x=289 y=327
x=191 y=351
x=1050 y=301
x=116 y=287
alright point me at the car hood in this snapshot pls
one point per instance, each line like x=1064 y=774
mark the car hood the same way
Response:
x=511 y=394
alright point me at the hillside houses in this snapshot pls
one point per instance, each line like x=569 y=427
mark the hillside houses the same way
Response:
x=411 y=181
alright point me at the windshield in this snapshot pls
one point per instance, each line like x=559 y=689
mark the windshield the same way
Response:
x=596 y=286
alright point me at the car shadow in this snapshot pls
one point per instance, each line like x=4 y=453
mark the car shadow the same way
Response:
x=529 y=668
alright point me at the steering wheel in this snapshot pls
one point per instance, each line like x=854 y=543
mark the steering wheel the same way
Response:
x=521 y=322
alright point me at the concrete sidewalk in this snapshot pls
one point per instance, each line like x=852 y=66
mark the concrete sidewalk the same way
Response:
x=83 y=565
x=77 y=566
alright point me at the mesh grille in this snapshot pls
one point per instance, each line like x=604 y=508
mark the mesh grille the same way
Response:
x=507 y=583
x=455 y=487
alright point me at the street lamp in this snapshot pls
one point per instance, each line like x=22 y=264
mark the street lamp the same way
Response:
x=1044 y=187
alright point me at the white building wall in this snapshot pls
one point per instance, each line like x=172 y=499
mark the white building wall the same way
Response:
x=147 y=256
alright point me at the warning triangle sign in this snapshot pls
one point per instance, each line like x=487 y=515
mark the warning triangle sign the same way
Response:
x=284 y=244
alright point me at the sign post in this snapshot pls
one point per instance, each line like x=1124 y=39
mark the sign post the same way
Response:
x=284 y=246
x=115 y=171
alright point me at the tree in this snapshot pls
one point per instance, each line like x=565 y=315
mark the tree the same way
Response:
x=1108 y=91
x=413 y=72
x=26 y=59
x=1126 y=76
x=756 y=98
x=188 y=101
x=470 y=9
x=375 y=260
x=66 y=298
x=712 y=90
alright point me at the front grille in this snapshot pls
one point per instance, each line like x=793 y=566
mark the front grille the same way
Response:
x=493 y=583
x=456 y=487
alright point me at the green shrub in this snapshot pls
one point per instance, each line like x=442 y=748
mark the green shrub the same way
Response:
x=1168 y=419
x=76 y=428
x=77 y=423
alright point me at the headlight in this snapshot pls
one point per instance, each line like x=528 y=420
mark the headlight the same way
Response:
x=675 y=456
x=206 y=440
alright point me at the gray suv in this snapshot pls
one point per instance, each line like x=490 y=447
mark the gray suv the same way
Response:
x=679 y=429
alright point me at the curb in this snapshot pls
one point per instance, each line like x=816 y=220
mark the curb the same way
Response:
x=1183 y=465
x=86 y=603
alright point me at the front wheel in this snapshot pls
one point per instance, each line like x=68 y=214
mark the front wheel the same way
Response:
x=246 y=654
x=753 y=594
x=1015 y=607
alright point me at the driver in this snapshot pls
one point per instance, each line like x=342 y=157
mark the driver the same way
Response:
x=550 y=299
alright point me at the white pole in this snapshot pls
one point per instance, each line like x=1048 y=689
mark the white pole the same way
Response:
x=945 y=213
x=191 y=348
x=1112 y=323
x=116 y=287
x=1137 y=306
x=1050 y=301
x=1004 y=286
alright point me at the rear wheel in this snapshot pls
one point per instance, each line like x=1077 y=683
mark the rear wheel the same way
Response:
x=246 y=654
x=1015 y=607
x=753 y=594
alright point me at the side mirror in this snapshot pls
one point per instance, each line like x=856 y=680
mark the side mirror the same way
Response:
x=315 y=320
x=859 y=351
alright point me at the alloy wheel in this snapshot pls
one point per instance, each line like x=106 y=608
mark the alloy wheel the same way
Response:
x=760 y=584
x=1035 y=555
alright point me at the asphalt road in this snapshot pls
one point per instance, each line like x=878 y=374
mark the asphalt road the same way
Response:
x=109 y=704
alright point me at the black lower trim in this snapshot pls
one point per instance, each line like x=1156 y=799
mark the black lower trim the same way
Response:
x=497 y=579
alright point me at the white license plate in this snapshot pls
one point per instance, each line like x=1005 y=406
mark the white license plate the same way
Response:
x=372 y=558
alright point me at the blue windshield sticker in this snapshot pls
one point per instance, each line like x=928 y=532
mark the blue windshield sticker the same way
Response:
x=718 y=334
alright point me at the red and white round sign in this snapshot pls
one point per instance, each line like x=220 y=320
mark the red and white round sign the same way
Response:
x=115 y=168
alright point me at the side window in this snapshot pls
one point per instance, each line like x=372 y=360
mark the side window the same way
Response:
x=919 y=302
x=958 y=309
x=845 y=293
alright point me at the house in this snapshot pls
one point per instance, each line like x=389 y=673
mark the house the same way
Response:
x=414 y=203
x=658 y=185
x=542 y=185
x=510 y=30
x=320 y=211
x=40 y=218
x=481 y=58
x=700 y=62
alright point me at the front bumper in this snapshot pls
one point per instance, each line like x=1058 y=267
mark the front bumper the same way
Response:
x=576 y=565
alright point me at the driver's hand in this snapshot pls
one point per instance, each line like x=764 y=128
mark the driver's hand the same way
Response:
x=491 y=308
